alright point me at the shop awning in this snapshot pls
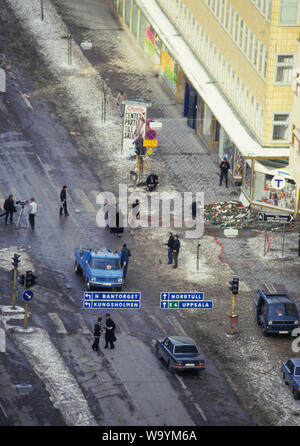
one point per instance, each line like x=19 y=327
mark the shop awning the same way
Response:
x=201 y=81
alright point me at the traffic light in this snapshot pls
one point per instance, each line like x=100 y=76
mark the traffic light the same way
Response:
x=16 y=260
x=21 y=279
x=30 y=279
x=234 y=285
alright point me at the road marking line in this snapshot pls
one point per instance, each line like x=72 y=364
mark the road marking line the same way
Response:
x=156 y=323
x=58 y=323
x=122 y=324
x=86 y=202
x=200 y=411
x=82 y=324
x=178 y=326
x=3 y=411
x=181 y=382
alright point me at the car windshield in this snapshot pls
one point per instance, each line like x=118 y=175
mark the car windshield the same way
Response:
x=185 y=349
x=105 y=264
x=282 y=310
x=297 y=371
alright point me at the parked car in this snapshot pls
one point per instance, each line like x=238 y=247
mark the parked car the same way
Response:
x=291 y=375
x=100 y=268
x=276 y=313
x=180 y=353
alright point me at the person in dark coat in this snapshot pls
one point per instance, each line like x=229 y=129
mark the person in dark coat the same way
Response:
x=125 y=254
x=169 y=244
x=63 y=201
x=152 y=182
x=109 y=332
x=224 y=166
x=176 y=248
x=9 y=207
x=97 y=333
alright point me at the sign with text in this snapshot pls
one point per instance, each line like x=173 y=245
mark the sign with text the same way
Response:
x=176 y=301
x=118 y=300
x=134 y=122
x=150 y=143
x=275 y=218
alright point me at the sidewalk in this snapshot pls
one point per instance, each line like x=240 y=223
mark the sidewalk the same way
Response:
x=182 y=156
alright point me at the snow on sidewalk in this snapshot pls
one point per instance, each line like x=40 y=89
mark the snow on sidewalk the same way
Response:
x=82 y=82
x=63 y=388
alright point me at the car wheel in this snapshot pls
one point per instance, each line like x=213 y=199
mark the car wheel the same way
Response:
x=295 y=394
x=284 y=380
x=265 y=333
x=88 y=285
x=170 y=368
x=77 y=268
x=158 y=352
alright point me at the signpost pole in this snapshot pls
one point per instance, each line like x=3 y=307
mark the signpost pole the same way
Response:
x=233 y=313
x=265 y=245
x=14 y=288
x=42 y=10
x=26 y=315
x=198 y=256
x=283 y=239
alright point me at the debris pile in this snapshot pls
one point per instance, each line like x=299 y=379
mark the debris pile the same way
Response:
x=235 y=215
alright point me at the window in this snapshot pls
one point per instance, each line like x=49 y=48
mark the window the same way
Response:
x=222 y=12
x=228 y=77
x=246 y=104
x=261 y=123
x=210 y=54
x=256 y=116
x=227 y=17
x=250 y=49
x=223 y=72
x=255 y=51
x=205 y=47
x=269 y=10
x=231 y=20
x=263 y=7
x=232 y=84
x=213 y=5
x=201 y=43
x=242 y=97
x=288 y=12
x=245 y=39
x=260 y=57
x=236 y=25
x=284 y=68
x=251 y=111
x=217 y=8
x=241 y=32
x=237 y=90
x=265 y=64
x=281 y=125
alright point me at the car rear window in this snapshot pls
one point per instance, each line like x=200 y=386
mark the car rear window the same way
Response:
x=185 y=349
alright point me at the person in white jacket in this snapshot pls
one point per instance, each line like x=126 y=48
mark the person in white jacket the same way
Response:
x=32 y=212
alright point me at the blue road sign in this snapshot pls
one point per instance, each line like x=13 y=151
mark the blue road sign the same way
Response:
x=189 y=300
x=28 y=295
x=112 y=300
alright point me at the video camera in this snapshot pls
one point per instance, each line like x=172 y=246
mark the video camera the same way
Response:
x=22 y=202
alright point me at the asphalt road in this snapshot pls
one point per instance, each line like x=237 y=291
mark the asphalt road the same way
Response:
x=127 y=386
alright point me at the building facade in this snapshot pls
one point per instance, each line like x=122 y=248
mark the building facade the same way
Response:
x=247 y=49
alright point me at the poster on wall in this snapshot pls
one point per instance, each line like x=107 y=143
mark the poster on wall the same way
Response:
x=150 y=42
x=168 y=70
x=134 y=124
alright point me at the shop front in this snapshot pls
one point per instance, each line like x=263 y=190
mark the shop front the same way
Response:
x=228 y=148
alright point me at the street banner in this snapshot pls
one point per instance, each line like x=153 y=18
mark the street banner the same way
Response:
x=134 y=123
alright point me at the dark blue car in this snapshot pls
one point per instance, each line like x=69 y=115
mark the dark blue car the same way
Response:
x=291 y=375
x=180 y=353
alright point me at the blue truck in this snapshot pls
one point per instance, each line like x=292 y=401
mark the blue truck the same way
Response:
x=101 y=268
x=275 y=312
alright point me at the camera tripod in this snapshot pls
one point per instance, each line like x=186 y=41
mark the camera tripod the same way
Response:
x=22 y=214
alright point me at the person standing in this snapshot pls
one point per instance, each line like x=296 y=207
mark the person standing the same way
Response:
x=224 y=166
x=109 y=332
x=176 y=248
x=125 y=254
x=63 y=201
x=9 y=207
x=120 y=98
x=97 y=333
x=169 y=244
x=32 y=212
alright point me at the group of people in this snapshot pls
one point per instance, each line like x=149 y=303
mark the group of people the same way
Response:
x=109 y=331
x=10 y=208
x=173 y=245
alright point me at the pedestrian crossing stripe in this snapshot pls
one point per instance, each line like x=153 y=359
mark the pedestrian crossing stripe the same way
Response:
x=85 y=201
